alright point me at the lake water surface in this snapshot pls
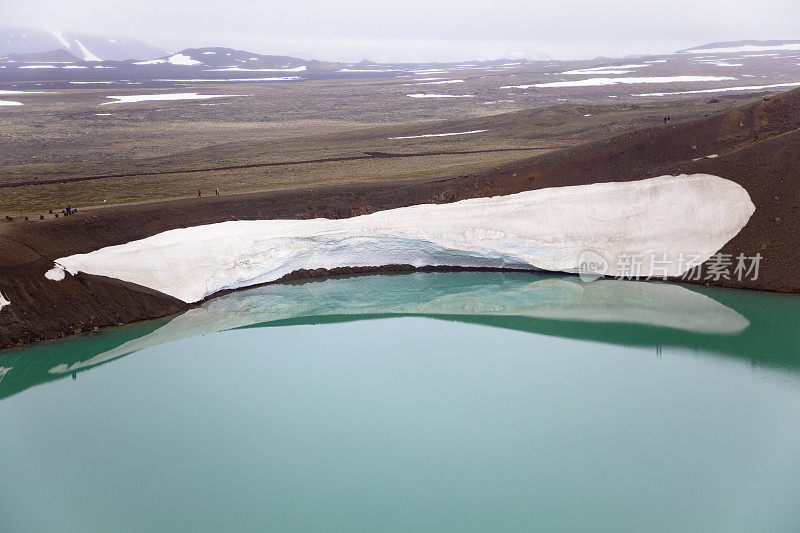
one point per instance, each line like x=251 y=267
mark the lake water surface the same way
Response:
x=415 y=402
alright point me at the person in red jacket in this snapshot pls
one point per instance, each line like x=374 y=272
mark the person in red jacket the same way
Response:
x=199 y=193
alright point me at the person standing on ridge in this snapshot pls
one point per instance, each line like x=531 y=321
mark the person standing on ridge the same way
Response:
x=199 y=193
x=216 y=192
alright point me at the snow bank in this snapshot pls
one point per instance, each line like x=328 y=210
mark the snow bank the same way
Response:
x=221 y=80
x=9 y=102
x=3 y=301
x=441 y=82
x=58 y=34
x=55 y=274
x=184 y=60
x=422 y=95
x=439 y=134
x=547 y=229
x=593 y=82
x=240 y=69
x=87 y=55
x=131 y=98
x=614 y=69
x=726 y=89
x=744 y=48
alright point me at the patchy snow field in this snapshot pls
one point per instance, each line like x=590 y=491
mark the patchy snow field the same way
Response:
x=745 y=48
x=439 y=134
x=661 y=218
x=9 y=103
x=132 y=98
x=441 y=82
x=240 y=69
x=423 y=95
x=618 y=69
x=224 y=80
x=726 y=89
x=596 y=82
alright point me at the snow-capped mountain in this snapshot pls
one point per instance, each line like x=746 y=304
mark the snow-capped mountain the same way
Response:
x=84 y=46
x=216 y=57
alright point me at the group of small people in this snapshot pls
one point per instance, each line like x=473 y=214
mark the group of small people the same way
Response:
x=667 y=119
x=200 y=192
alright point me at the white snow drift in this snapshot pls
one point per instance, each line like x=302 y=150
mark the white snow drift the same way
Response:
x=9 y=102
x=422 y=95
x=439 y=134
x=547 y=229
x=594 y=82
x=240 y=69
x=613 y=69
x=727 y=89
x=132 y=98
x=744 y=48
x=3 y=301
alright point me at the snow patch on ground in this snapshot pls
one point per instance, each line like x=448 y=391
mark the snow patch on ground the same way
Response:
x=56 y=273
x=221 y=80
x=549 y=229
x=422 y=95
x=618 y=69
x=9 y=103
x=150 y=62
x=442 y=82
x=58 y=34
x=184 y=60
x=746 y=48
x=594 y=82
x=726 y=89
x=240 y=69
x=3 y=301
x=439 y=134
x=131 y=98
x=87 y=55
x=369 y=70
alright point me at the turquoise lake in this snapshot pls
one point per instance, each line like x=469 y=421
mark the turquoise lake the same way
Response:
x=442 y=402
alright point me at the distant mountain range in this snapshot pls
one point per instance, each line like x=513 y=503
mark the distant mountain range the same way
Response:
x=83 y=46
x=69 y=59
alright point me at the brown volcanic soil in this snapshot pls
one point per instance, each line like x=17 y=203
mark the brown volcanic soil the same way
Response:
x=758 y=146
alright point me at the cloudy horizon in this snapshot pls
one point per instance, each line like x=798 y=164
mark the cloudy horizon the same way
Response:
x=351 y=30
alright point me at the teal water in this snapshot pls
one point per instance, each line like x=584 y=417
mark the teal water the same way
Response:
x=416 y=402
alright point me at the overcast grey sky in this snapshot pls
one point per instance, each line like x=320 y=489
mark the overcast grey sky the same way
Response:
x=419 y=29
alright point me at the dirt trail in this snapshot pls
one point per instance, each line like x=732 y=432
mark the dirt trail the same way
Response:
x=367 y=155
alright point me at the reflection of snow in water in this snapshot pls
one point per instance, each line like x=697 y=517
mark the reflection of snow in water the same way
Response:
x=3 y=371
x=447 y=294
